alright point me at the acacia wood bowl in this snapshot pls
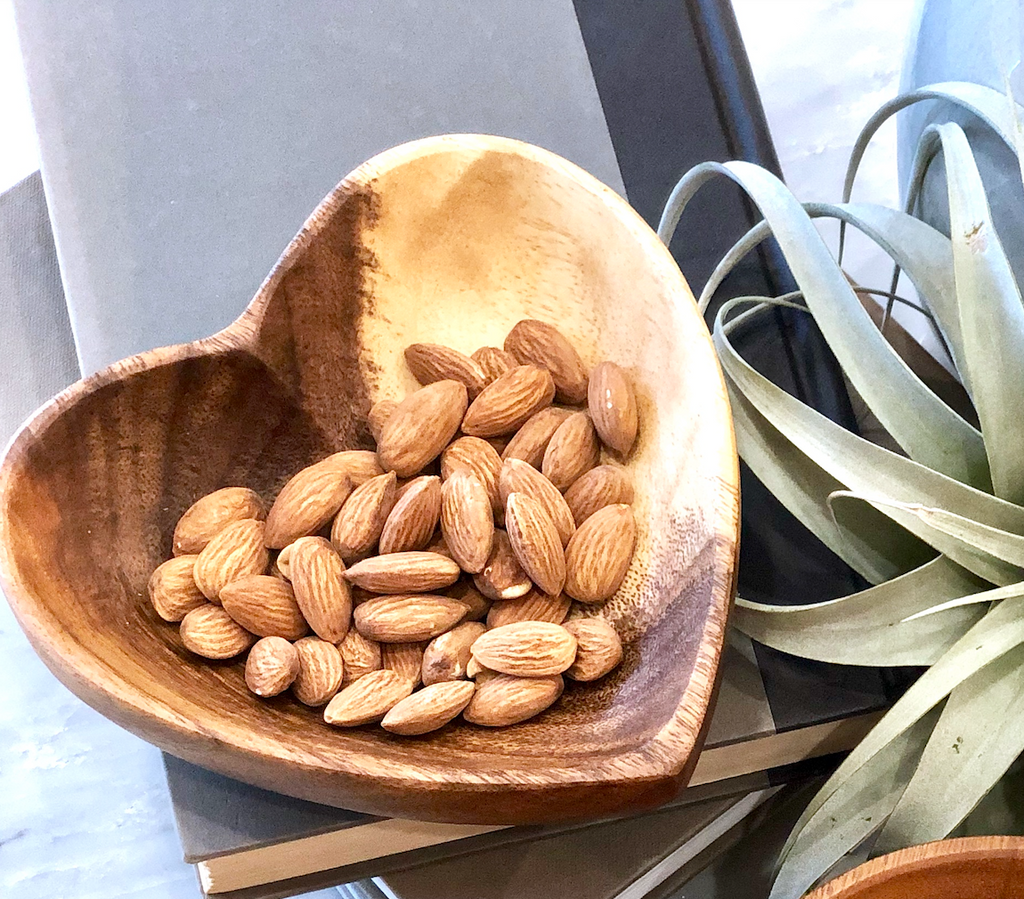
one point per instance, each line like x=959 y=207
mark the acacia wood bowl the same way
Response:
x=448 y=240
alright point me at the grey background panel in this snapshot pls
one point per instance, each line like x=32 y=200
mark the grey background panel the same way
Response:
x=185 y=148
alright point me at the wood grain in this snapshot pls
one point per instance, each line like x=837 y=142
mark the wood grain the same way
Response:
x=448 y=240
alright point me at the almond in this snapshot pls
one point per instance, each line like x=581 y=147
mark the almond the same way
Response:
x=447 y=656
x=469 y=596
x=612 y=405
x=519 y=477
x=573 y=450
x=361 y=656
x=545 y=346
x=405 y=659
x=438 y=545
x=367 y=699
x=502 y=576
x=272 y=666
x=283 y=562
x=535 y=542
x=535 y=606
x=407 y=618
x=423 y=424
x=321 y=591
x=500 y=699
x=264 y=605
x=429 y=709
x=430 y=362
x=505 y=404
x=605 y=485
x=598 y=648
x=358 y=526
x=467 y=521
x=414 y=516
x=378 y=415
x=209 y=515
x=321 y=671
x=533 y=437
x=173 y=590
x=478 y=457
x=307 y=502
x=598 y=556
x=408 y=572
x=526 y=649
x=474 y=669
x=359 y=465
x=235 y=552
x=493 y=362
x=212 y=633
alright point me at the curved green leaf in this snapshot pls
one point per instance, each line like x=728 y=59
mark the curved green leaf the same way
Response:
x=988 y=597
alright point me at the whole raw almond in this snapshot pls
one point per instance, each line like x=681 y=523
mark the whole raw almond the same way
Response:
x=236 y=551
x=466 y=593
x=367 y=699
x=359 y=465
x=408 y=572
x=526 y=649
x=172 y=588
x=321 y=591
x=533 y=437
x=467 y=521
x=361 y=656
x=502 y=577
x=447 y=656
x=598 y=648
x=478 y=457
x=414 y=516
x=572 y=451
x=493 y=362
x=504 y=405
x=321 y=671
x=429 y=708
x=423 y=424
x=212 y=633
x=379 y=413
x=430 y=362
x=307 y=502
x=271 y=667
x=209 y=514
x=612 y=405
x=359 y=523
x=518 y=476
x=405 y=659
x=598 y=556
x=501 y=699
x=535 y=542
x=407 y=618
x=535 y=606
x=264 y=605
x=605 y=485
x=545 y=346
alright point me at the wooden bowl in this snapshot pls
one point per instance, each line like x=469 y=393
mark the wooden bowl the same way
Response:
x=967 y=868
x=449 y=240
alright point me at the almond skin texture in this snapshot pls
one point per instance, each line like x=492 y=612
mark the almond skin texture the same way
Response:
x=519 y=477
x=430 y=362
x=469 y=596
x=210 y=514
x=367 y=699
x=535 y=542
x=321 y=671
x=535 y=606
x=505 y=404
x=321 y=591
x=173 y=590
x=526 y=649
x=359 y=465
x=572 y=451
x=533 y=437
x=599 y=554
x=429 y=708
x=408 y=618
x=272 y=666
x=502 y=576
x=598 y=648
x=237 y=551
x=413 y=518
x=211 y=632
x=493 y=362
x=545 y=346
x=423 y=424
x=358 y=525
x=467 y=521
x=606 y=485
x=409 y=572
x=405 y=659
x=379 y=413
x=501 y=700
x=360 y=656
x=264 y=605
x=447 y=656
x=307 y=502
x=479 y=458
x=612 y=405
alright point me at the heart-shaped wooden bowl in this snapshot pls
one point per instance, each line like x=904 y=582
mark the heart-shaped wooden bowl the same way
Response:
x=449 y=240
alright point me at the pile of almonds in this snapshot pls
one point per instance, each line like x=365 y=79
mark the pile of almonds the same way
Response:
x=481 y=612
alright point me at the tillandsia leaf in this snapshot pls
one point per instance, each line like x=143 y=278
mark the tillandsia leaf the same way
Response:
x=986 y=597
x=917 y=419
x=979 y=734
